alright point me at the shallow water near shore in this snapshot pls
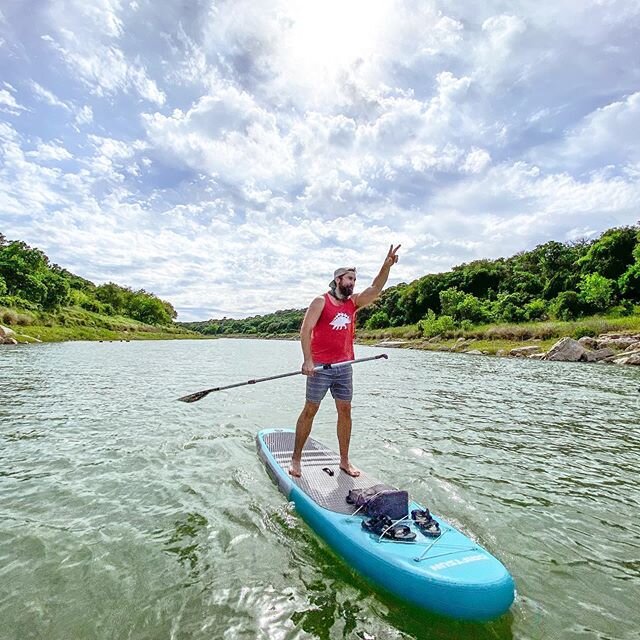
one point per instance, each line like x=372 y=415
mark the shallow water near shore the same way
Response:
x=127 y=514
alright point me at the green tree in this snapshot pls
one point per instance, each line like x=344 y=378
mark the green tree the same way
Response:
x=508 y=308
x=536 y=310
x=611 y=254
x=169 y=308
x=472 y=309
x=20 y=266
x=148 y=309
x=481 y=276
x=114 y=295
x=629 y=282
x=211 y=329
x=558 y=266
x=57 y=290
x=379 y=320
x=432 y=325
x=566 y=306
x=450 y=300
x=462 y=306
x=597 y=291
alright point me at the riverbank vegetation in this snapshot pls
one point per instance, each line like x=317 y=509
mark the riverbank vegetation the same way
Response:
x=587 y=287
x=43 y=301
x=582 y=288
x=280 y=323
x=494 y=338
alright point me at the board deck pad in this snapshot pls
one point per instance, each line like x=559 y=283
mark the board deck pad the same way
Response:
x=327 y=491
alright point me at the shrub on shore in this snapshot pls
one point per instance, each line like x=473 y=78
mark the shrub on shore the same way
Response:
x=510 y=332
x=13 y=317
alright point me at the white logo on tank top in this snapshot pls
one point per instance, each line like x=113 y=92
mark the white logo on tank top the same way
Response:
x=341 y=321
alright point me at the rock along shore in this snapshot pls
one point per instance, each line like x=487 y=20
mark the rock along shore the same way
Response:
x=607 y=348
x=7 y=336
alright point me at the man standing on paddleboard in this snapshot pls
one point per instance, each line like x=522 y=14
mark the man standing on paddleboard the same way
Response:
x=327 y=336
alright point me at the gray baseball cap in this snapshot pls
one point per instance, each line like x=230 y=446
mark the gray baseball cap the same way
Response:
x=340 y=272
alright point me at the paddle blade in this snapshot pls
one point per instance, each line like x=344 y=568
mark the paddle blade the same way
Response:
x=194 y=397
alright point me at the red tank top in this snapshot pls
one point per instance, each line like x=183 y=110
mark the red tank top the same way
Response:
x=332 y=337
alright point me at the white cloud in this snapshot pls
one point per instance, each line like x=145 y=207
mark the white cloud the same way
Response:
x=512 y=203
x=47 y=96
x=609 y=134
x=227 y=134
x=49 y=152
x=197 y=149
x=503 y=31
x=87 y=36
x=8 y=103
x=84 y=115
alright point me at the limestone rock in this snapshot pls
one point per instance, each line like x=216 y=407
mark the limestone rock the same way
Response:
x=598 y=355
x=8 y=340
x=566 y=350
x=537 y=356
x=523 y=352
x=5 y=332
x=474 y=352
x=385 y=343
x=632 y=359
x=588 y=342
x=462 y=342
x=30 y=338
x=633 y=347
x=617 y=342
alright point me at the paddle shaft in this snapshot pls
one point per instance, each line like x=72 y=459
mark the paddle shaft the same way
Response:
x=194 y=397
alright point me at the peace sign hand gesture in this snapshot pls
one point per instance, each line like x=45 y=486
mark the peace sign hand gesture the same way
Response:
x=392 y=256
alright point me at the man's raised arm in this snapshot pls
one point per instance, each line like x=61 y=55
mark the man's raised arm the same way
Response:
x=371 y=293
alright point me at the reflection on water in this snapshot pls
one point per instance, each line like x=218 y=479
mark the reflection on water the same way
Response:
x=124 y=513
x=184 y=541
x=325 y=611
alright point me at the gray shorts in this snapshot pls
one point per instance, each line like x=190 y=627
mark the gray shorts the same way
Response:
x=339 y=380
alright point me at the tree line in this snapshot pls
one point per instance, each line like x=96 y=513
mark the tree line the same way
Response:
x=556 y=280
x=561 y=281
x=279 y=323
x=29 y=281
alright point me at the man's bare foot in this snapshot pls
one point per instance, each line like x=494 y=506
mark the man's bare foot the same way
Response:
x=350 y=470
x=295 y=470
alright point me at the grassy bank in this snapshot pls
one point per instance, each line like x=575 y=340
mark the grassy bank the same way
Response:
x=75 y=323
x=490 y=338
x=495 y=337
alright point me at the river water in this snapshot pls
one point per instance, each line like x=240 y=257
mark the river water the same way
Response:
x=126 y=514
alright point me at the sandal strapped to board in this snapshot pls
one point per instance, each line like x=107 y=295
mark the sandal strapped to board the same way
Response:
x=425 y=522
x=383 y=527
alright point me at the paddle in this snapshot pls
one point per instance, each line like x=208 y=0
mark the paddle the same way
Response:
x=194 y=397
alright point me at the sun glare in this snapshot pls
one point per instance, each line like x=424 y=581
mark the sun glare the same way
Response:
x=329 y=35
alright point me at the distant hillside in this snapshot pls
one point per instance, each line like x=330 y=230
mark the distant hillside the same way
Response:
x=280 y=322
x=31 y=287
x=559 y=281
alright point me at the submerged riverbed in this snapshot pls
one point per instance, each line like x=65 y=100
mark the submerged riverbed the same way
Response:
x=126 y=514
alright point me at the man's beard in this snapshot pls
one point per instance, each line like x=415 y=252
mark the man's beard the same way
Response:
x=345 y=290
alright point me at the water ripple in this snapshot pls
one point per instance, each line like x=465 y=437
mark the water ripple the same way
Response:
x=124 y=513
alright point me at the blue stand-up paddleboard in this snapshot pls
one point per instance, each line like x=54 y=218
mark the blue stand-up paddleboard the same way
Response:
x=449 y=574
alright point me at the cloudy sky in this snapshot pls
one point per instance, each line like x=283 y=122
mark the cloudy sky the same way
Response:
x=228 y=155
